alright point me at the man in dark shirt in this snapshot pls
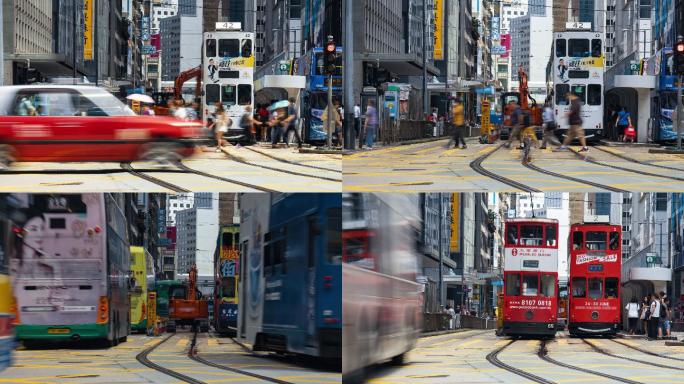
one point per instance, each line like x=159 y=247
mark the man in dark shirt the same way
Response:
x=290 y=123
x=575 y=121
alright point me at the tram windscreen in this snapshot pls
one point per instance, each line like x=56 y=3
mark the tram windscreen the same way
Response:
x=548 y=285
x=531 y=235
x=612 y=284
x=512 y=284
x=228 y=287
x=596 y=241
x=551 y=236
x=595 y=288
x=577 y=240
x=579 y=287
x=530 y=285
x=512 y=235
x=614 y=241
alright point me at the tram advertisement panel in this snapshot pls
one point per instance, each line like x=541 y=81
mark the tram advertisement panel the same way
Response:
x=522 y=258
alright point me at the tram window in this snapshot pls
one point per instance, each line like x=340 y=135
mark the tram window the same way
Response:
x=581 y=91
x=614 y=241
x=531 y=235
x=612 y=287
x=596 y=241
x=212 y=94
x=247 y=48
x=577 y=240
x=530 y=285
x=548 y=285
x=595 y=288
x=551 y=236
x=578 y=48
x=596 y=50
x=579 y=287
x=227 y=240
x=228 y=287
x=594 y=94
x=210 y=48
x=561 y=50
x=561 y=91
x=333 y=233
x=229 y=48
x=244 y=94
x=356 y=252
x=512 y=284
x=512 y=235
x=228 y=95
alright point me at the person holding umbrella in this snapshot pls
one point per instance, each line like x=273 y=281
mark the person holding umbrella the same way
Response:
x=279 y=110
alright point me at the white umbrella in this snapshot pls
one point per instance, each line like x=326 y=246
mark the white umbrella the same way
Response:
x=141 y=98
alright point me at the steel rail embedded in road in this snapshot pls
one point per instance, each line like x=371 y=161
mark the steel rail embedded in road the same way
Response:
x=644 y=173
x=476 y=165
x=128 y=168
x=239 y=160
x=639 y=162
x=293 y=162
x=649 y=352
x=143 y=358
x=193 y=355
x=543 y=354
x=209 y=175
x=581 y=181
x=493 y=358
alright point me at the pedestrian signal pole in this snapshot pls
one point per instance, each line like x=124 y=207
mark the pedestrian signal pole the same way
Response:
x=330 y=59
x=679 y=70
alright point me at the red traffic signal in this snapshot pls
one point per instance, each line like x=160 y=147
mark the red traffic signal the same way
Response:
x=330 y=47
x=679 y=58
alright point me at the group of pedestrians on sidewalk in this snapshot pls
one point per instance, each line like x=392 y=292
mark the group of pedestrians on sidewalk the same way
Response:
x=652 y=317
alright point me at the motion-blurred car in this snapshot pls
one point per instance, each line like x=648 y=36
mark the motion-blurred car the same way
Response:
x=85 y=123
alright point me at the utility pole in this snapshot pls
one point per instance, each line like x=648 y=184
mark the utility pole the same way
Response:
x=331 y=119
x=425 y=37
x=678 y=58
x=2 y=47
x=73 y=48
x=441 y=276
x=348 y=51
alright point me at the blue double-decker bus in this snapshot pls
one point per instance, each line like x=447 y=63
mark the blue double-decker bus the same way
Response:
x=315 y=99
x=291 y=273
x=664 y=99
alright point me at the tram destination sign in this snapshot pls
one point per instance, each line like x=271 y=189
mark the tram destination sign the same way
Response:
x=595 y=257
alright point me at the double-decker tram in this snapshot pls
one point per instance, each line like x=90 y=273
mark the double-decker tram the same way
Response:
x=142 y=281
x=226 y=264
x=595 y=266
x=290 y=273
x=70 y=267
x=578 y=67
x=530 y=305
x=382 y=300
x=228 y=75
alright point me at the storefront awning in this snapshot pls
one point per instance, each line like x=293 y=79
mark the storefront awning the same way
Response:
x=399 y=64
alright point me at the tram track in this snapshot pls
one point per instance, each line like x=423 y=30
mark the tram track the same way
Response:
x=143 y=358
x=477 y=166
x=627 y=158
x=209 y=175
x=647 y=351
x=127 y=167
x=608 y=353
x=581 y=181
x=293 y=162
x=294 y=173
x=493 y=358
x=543 y=354
x=636 y=171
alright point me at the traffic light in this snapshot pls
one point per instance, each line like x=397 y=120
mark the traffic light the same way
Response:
x=679 y=58
x=330 y=58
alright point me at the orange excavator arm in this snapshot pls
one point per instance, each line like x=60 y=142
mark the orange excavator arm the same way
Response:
x=192 y=283
x=184 y=77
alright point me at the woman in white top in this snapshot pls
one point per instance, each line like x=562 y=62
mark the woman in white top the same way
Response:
x=654 y=317
x=221 y=122
x=632 y=314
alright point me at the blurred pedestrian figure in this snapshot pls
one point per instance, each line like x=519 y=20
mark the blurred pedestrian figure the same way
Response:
x=249 y=124
x=181 y=112
x=147 y=111
x=371 y=124
x=549 y=127
x=291 y=123
x=357 y=124
x=654 y=318
x=452 y=317
x=459 y=124
x=276 y=123
x=263 y=118
x=192 y=113
x=221 y=123
x=622 y=121
x=668 y=316
x=171 y=105
x=575 y=120
x=644 y=315
x=334 y=126
x=516 y=124
x=632 y=314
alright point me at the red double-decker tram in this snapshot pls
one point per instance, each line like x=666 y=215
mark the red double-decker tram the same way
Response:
x=530 y=305
x=595 y=267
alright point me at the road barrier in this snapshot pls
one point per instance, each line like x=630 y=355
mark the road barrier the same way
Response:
x=473 y=322
x=393 y=132
x=435 y=322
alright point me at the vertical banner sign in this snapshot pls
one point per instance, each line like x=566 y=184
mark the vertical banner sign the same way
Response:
x=455 y=244
x=87 y=29
x=152 y=313
x=439 y=30
x=495 y=28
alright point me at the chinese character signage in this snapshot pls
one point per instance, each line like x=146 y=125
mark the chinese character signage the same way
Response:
x=495 y=29
x=455 y=241
x=87 y=29
x=439 y=30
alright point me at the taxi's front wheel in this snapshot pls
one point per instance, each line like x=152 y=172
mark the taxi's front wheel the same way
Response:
x=6 y=157
x=164 y=153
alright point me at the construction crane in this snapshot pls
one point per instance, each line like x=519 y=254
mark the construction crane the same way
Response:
x=162 y=98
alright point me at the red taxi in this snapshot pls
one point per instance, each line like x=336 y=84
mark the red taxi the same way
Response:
x=85 y=123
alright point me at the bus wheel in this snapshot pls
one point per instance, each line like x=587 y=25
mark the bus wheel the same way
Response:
x=161 y=153
x=398 y=359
